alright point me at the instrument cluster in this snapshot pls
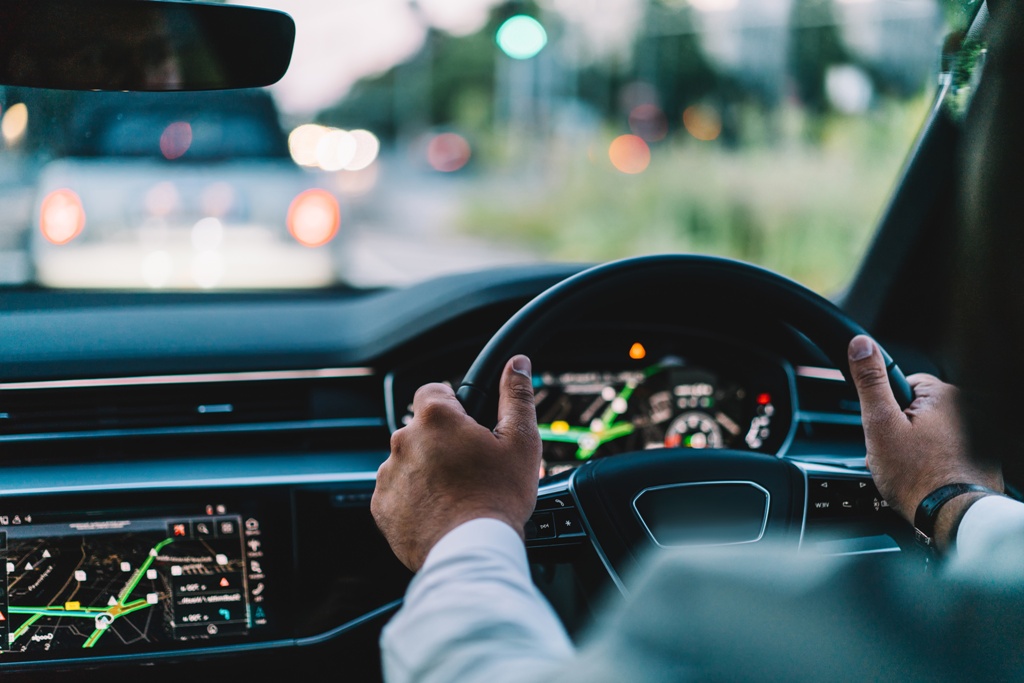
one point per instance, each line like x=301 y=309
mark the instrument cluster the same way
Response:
x=641 y=389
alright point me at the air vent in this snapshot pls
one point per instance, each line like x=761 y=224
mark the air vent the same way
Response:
x=828 y=421
x=186 y=404
x=828 y=398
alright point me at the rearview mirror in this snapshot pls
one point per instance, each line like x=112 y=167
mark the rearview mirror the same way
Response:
x=141 y=45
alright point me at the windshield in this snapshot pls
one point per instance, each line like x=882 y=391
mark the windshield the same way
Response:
x=414 y=139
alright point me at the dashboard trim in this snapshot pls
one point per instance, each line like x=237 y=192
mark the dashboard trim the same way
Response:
x=389 y=402
x=814 y=372
x=252 y=427
x=349 y=625
x=235 y=482
x=202 y=378
x=794 y=402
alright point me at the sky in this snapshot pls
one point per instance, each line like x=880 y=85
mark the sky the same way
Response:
x=338 y=42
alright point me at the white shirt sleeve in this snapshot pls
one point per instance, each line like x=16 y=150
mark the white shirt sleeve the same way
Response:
x=472 y=613
x=991 y=537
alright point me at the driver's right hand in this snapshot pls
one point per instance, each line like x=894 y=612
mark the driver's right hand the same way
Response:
x=446 y=469
x=913 y=452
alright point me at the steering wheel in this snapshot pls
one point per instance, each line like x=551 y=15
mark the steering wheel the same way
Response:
x=628 y=501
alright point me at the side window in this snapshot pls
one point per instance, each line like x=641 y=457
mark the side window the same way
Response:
x=963 y=57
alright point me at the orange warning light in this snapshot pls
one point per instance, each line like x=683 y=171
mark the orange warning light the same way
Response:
x=224 y=582
x=637 y=351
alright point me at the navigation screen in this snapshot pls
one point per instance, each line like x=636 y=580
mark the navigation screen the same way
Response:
x=121 y=584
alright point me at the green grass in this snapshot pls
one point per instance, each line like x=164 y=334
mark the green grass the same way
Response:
x=804 y=207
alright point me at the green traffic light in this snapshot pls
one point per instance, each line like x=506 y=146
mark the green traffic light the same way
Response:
x=521 y=37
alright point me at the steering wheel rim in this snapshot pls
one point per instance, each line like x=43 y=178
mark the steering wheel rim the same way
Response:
x=633 y=503
x=816 y=317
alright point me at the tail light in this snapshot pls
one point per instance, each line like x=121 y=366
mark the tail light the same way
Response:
x=61 y=216
x=314 y=218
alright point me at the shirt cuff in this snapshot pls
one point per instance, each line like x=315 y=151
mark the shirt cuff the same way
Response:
x=987 y=526
x=481 y=535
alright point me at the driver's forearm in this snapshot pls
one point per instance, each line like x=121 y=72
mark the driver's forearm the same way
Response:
x=473 y=614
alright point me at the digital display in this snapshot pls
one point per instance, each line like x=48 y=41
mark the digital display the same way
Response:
x=117 y=584
x=666 y=404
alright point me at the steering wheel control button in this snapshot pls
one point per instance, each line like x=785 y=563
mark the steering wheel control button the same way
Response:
x=843 y=498
x=703 y=513
x=567 y=523
x=544 y=525
x=555 y=503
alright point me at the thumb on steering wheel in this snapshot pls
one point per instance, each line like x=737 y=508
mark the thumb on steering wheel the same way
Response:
x=867 y=368
x=517 y=414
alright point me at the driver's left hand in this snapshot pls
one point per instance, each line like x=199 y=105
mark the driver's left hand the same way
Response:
x=446 y=469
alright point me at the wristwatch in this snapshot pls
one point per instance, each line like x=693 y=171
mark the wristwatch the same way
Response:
x=928 y=510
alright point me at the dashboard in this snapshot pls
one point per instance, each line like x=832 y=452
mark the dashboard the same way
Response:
x=193 y=489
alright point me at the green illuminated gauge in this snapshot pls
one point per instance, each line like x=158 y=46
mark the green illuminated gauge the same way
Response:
x=694 y=429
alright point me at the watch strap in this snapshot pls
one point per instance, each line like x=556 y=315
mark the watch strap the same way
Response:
x=928 y=510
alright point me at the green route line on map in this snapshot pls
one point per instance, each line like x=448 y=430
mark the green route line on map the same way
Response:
x=142 y=570
x=119 y=609
x=24 y=627
x=590 y=440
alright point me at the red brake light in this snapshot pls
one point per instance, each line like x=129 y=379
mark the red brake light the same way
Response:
x=61 y=216
x=314 y=218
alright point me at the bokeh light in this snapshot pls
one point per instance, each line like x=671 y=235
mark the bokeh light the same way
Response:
x=629 y=154
x=302 y=143
x=61 y=216
x=521 y=37
x=175 y=140
x=367 y=149
x=217 y=199
x=649 y=122
x=314 y=217
x=14 y=122
x=207 y=269
x=448 y=152
x=702 y=122
x=207 y=234
x=161 y=199
x=335 y=150
x=157 y=268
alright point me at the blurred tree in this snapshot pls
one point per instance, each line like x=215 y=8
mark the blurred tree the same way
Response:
x=431 y=89
x=815 y=45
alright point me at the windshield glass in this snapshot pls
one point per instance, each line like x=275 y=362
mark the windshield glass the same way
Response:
x=414 y=139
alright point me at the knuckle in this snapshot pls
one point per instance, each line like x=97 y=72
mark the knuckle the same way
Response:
x=521 y=391
x=432 y=391
x=433 y=411
x=870 y=376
